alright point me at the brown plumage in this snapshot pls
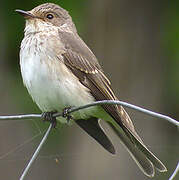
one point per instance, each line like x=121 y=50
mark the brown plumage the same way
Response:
x=84 y=65
x=68 y=48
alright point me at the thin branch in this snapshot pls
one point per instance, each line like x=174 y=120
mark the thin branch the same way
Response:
x=175 y=172
x=36 y=153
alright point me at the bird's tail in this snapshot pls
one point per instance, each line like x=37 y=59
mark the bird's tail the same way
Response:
x=145 y=159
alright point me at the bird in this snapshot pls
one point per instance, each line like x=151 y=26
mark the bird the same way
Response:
x=60 y=71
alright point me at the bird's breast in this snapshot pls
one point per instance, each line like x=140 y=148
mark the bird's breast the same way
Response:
x=50 y=83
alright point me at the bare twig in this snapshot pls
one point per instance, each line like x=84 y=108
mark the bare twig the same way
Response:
x=36 y=153
x=175 y=172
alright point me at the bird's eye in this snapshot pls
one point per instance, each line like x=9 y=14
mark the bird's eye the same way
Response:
x=49 y=16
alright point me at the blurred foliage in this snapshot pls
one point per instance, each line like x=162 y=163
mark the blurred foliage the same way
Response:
x=170 y=39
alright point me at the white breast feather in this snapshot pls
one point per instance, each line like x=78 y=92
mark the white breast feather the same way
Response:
x=50 y=83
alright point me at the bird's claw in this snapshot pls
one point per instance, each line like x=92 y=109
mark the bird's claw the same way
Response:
x=66 y=114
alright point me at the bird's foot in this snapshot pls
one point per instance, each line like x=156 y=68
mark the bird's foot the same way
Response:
x=48 y=116
x=66 y=114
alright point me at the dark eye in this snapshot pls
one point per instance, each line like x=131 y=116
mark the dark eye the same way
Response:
x=49 y=16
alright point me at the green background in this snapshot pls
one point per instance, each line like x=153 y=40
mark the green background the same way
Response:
x=137 y=44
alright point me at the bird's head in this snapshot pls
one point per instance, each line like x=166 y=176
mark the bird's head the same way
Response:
x=47 y=15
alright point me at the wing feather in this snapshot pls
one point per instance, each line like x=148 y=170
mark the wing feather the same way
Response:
x=83 y=63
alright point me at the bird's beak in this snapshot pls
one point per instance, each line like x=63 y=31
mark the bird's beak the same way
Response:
x=26 y=14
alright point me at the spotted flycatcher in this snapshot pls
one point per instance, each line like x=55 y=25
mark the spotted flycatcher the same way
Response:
x=60 y=71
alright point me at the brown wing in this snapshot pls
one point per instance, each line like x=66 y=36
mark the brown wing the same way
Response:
x=92 y=127
x=83 y=63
